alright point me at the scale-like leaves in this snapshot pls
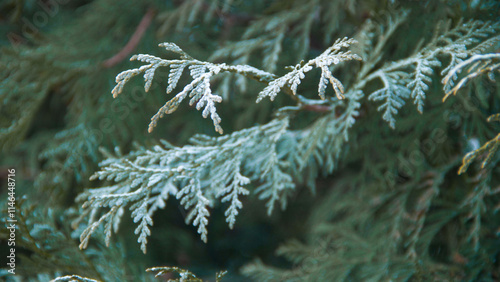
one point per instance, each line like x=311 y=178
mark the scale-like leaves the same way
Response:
x=199 y=89
x=140 y=213
x=475 y=66
x=192 y=198
x=393 y=95
x=198 y=174
x=422 y=80
x=332 y=56
x=231 y=194
x=174 y=75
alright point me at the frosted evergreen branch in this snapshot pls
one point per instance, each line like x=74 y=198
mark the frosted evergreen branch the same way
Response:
x=199 y=89
x=197 y=175
x=331 y=56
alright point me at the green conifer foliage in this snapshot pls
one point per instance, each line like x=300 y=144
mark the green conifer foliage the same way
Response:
x=278 y=140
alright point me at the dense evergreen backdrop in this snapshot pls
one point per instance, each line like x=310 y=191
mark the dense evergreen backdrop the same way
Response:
x=371 y=158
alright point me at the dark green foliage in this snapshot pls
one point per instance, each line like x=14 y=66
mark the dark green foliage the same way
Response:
x=379 y=147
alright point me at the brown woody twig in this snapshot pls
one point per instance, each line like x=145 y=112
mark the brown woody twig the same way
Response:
x=134 y=40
